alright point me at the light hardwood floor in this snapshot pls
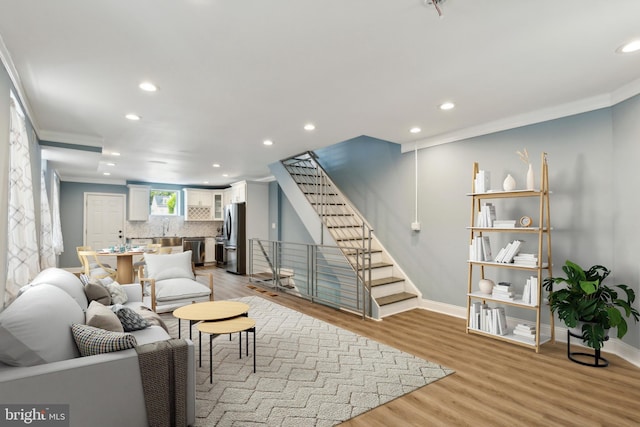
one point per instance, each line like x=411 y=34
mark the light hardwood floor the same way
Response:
x=495 y=383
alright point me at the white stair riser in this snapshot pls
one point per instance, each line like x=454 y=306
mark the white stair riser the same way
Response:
x=398 y=307
x=380 y=272
x=386 y=290
x=375 y=257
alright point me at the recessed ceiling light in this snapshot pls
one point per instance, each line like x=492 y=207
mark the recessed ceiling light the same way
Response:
x=216 y=165
x=415 y=130
x=106 y=173
x=633 y=46
x=148 y=87
x=267 y=142
x=111 y=164
x=205 y=182
x=115 y=153
x=225 y=175
x=309 y=126
x=158 y=162
x=133 y=117
x=447 y=106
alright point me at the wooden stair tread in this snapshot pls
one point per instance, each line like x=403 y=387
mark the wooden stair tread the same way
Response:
x=386 y=281
x=390 y=299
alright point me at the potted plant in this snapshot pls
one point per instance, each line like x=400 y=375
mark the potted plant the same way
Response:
x=588 y=302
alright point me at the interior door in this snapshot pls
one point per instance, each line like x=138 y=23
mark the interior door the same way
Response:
x=104 y=217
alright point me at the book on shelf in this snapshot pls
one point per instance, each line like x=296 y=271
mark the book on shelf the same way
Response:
x=525 y=330
x=486 y=215
x=504 y=223
x=482 y=182
x=503 y=295
x=501 y=316
x=503 y=286
x=486 y=249
x=526 y=260
x=526 y=292
x=531 y=291
x=513 y=251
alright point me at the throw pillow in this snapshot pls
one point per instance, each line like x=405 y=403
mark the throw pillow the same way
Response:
x=131 y=321
x=170 y=266
x=34 y=328
x=102 y=317
x=97 y=292
x=118 y=295
x=152 y=317
x=91 y=341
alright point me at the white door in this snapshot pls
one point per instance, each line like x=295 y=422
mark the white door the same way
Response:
x=104 y=217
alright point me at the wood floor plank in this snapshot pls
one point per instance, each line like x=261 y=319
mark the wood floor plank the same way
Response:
x=495 y=384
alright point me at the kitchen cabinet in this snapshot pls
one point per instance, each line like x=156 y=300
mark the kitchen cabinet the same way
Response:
x=138 y=206
x=203 y=205
x=238 y=192
x=210 y=249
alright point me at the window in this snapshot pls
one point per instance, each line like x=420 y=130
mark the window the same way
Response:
x=163 y=202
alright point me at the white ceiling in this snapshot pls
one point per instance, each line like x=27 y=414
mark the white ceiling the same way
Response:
x=235 y=72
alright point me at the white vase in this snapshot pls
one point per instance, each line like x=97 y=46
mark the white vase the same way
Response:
x=509 y=183
x=531 y=183
x=485 y=286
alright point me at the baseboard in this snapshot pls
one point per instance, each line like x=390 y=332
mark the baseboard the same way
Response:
x=613 y=345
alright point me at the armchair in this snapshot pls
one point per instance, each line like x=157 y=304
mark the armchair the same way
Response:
x=171 y=282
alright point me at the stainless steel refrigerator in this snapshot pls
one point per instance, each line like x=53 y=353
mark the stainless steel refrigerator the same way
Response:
x=235 y=238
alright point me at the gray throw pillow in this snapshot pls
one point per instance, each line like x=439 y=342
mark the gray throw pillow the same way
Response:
x=97 y=292
x=131 y=321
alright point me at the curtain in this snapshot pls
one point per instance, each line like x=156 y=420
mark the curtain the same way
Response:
x=47 y=255
x=58 y=244
x=22 y=244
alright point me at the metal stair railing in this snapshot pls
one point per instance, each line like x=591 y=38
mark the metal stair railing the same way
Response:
x=335 y=210
x=319 y=273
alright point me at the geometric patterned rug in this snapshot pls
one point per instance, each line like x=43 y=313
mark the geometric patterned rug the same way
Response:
x=308 y=372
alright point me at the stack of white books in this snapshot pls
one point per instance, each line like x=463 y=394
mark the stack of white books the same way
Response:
x=488 y=319
x=526 y=260
x=503 y=291
x=525 y=330
x=504 y=223
x=480 y=249
x=486 y=216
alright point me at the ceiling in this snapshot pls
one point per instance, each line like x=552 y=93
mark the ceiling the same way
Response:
x=232 y=73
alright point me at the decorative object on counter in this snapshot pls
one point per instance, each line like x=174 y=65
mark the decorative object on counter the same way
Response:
x=509 y=183
x=486 y=286
x=524 y=156
x=526 y=221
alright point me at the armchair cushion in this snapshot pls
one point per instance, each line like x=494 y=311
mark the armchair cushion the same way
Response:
x=178 y=289
x=169 y=266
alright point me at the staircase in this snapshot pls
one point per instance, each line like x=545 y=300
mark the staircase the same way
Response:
x=343 y=226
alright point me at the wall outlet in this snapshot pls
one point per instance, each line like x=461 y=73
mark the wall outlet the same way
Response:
x=415 y=226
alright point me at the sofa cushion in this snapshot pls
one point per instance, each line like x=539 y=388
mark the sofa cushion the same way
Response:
x=118 y=295
x=64 y=280
x=169 y=266
x=178 y=289
x=102 y=317
x=34 y=328
x=130 y=320
x=93 y=341
x=96 y=292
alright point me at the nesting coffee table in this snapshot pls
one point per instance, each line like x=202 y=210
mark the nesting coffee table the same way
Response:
x=210 y=311
x=238 y=324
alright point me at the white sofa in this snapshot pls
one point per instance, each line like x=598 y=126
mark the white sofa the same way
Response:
x=102 y=389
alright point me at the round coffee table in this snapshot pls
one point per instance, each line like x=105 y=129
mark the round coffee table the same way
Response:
x=238 y=324
x=209 y=311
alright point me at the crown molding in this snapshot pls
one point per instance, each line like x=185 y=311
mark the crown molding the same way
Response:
x=71 y=138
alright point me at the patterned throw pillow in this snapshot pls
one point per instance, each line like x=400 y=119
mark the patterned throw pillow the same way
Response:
x=131 y=321
x=91 y=341
x=118 y=295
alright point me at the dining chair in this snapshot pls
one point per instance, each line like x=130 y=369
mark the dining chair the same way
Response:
x=92 y=266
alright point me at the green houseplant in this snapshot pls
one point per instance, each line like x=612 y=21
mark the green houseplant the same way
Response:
x=587 y=300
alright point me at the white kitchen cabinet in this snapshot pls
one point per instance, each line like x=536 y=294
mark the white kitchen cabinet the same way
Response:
x=210 y=249
x=218 y=206
x=199 y=205
x=238 y=192
x=138 y=209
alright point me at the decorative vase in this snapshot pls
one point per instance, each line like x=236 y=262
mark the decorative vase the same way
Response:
x=485 y=286
x=531 y=184
x=509 y=183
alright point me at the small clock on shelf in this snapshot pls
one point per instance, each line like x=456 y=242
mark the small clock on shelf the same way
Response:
x=526 y=221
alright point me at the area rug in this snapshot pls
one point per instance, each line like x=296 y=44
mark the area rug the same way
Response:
x=308 y=372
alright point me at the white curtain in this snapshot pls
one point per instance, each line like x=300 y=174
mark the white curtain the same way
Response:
x=58 y=243
x=47 y=255
x=22 y=243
